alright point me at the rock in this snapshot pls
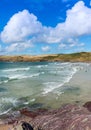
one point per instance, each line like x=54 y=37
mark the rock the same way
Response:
x=26 y=112
x=88 y=105
x=33 y=114
x=68 y=117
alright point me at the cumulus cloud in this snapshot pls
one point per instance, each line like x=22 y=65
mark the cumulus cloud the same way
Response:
x=71 y=43
x=77 y=23
x=20 y=26
x=24 y=26
x=17 y=47
x=45 y=48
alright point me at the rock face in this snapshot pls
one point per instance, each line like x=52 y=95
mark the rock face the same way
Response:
x=68 y=117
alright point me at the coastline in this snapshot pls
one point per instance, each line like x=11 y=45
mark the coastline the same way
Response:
x=76 y=91
x=79 y=94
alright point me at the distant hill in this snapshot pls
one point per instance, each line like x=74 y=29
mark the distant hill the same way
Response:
x=74 y=57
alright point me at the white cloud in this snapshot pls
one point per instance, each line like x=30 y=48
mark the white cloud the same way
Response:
x=62 y=46
x=70 y=44
x=77 y=23
x=81 y=44
x=17 y=47
x=20 y=26
x=45 y=48
x=24 y=27
x=74 y=43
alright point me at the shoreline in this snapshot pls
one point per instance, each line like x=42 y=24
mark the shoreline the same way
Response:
x=80 y=83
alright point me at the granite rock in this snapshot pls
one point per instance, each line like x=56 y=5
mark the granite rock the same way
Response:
x=68 y=117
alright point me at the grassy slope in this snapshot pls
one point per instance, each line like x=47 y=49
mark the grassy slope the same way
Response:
x=74 y=57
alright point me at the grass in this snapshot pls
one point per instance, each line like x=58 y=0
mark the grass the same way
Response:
x=74 y=57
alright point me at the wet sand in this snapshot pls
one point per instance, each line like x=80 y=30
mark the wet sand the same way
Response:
x=81 y=82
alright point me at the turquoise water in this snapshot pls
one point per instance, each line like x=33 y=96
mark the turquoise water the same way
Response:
x=25 y=83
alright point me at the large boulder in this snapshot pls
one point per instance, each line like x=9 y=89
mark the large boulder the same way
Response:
x=68 y=117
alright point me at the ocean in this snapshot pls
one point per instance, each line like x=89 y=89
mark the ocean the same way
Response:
x=34 y=84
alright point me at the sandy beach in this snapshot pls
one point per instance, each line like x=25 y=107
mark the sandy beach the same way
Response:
x=79 y=94
x=81 y=82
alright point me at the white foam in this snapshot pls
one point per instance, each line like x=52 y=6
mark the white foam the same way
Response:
x=5 y=81
x=9 y=100
x=26 y=103
x=32 y=100
x=39 y=66
x=51 y=86
x=17 y=76
x=16 y=69
x=5 y=112
x=22 y=76
x=29 y=76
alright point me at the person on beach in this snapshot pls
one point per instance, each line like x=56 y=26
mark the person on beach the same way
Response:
x=26 y=126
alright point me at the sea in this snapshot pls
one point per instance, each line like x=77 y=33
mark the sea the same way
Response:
x=34 y=84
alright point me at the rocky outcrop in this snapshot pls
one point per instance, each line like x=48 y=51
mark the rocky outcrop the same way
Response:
x=68 y=117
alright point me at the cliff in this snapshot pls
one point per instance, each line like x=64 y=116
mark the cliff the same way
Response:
x=74 y=57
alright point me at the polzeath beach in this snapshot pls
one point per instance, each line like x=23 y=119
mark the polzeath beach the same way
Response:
x=75 y=90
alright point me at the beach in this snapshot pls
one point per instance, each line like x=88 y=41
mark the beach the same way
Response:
x=81 y=82
x=76 y=91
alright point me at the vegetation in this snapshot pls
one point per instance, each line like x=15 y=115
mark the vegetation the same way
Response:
x=74 y=57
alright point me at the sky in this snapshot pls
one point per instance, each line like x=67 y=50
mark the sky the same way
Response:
x=37 y=27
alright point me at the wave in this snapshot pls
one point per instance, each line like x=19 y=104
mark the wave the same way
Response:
x=18 y=77
x=26 y=103
x=16 y=69
x=42 y=66
x=8 y=100
x=6 y=104
x=51 y=86
x=4 y=79
x=5 y=112
x=28 y=76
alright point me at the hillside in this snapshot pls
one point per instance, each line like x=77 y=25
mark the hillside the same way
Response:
x=74 y=57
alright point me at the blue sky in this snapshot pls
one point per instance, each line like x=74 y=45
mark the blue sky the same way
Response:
x=44 y=26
